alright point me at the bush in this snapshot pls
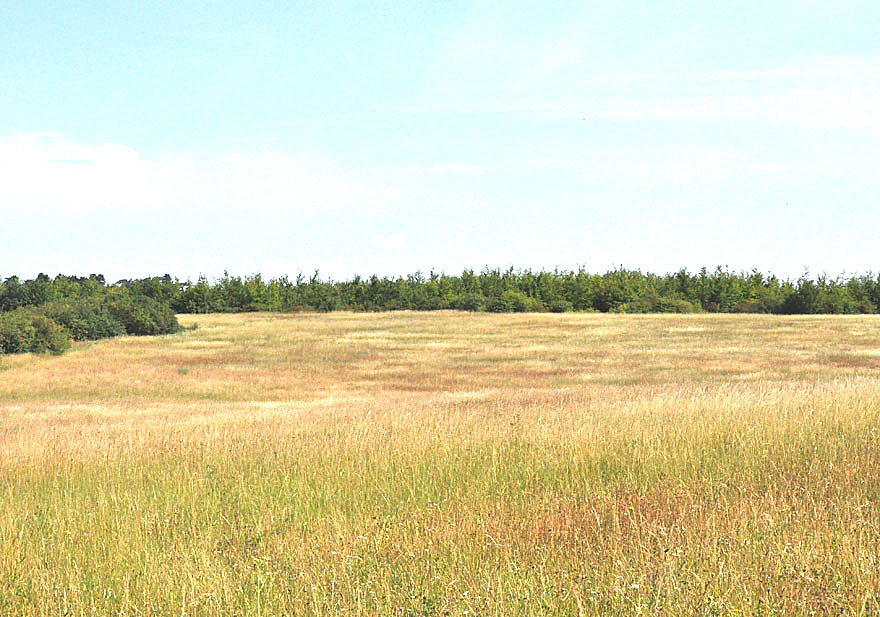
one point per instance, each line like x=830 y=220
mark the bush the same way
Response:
x=91 y=319
x=653 y=304
x=645 y=304
x=675 y=305
x=16 y=332
x=430 y=303
x=85 y=320
x=50 y=326
x=469 y=302
x=560 y=306
x=48 y=336
x=513 y=302
x=24 y=331
x=499 y=304
x=140 y=315
x=533 y=305
x=757 y=305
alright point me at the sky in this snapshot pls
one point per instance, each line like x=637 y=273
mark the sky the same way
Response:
x=194 y=137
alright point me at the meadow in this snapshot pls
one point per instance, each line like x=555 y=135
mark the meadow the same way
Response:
x=447 y=463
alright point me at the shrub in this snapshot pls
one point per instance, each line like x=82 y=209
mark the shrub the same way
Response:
x=560 y=305
x=645 y=304
x=513 y=302
x=499 y=304
x=651 y=303
x=675 y=305
x=533 y=305
x=469 y=302
x=48 y=336
x=141 y=315
x=50 y=327
x=86 y=320
x=15 y=332
x=430 y=303
x=24 y=331
x=757 y=305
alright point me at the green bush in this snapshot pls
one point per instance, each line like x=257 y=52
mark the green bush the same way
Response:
x=757 y=305
x=469 y=302
x=140 y=315
x=48 y=336
x=651 y=303
x=86 y=320
x=50 y=326
x=23 y=331
x=560 y=305
x=499 y=304
x=92 y=318
x=430 y=303
x=513 y=302
x=675 y=305
x=645 y=304
x=533 y=305
x=16 y=332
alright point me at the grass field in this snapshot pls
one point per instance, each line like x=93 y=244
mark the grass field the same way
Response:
x=447 y=464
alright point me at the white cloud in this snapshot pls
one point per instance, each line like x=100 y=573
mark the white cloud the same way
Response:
x=818 y=108
x=822 y=92
x=51 y=172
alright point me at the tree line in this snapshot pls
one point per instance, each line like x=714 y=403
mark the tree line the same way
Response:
x=494 y=290
x=619 y=290
x=45 y=314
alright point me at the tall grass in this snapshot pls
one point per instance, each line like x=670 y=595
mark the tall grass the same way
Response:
x=447 y=464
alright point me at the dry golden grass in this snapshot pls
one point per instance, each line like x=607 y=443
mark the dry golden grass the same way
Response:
x=447 y=464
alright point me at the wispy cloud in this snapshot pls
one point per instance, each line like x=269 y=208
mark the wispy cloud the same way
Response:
x=825 y=92
x=50 y=171
x=822 y=92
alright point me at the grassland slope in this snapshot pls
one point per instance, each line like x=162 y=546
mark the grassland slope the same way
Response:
x=447 y=464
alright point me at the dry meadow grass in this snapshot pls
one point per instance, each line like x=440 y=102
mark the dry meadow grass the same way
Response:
x=447 y=464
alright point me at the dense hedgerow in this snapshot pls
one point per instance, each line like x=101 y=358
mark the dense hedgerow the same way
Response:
x=98 y=312
x=620 y=290
x=25 y=330
x=97 y=318
x=85 y=320
x=140 y=315
x=89 y=308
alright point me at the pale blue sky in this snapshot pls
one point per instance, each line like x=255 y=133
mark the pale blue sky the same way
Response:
x=193 y=137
